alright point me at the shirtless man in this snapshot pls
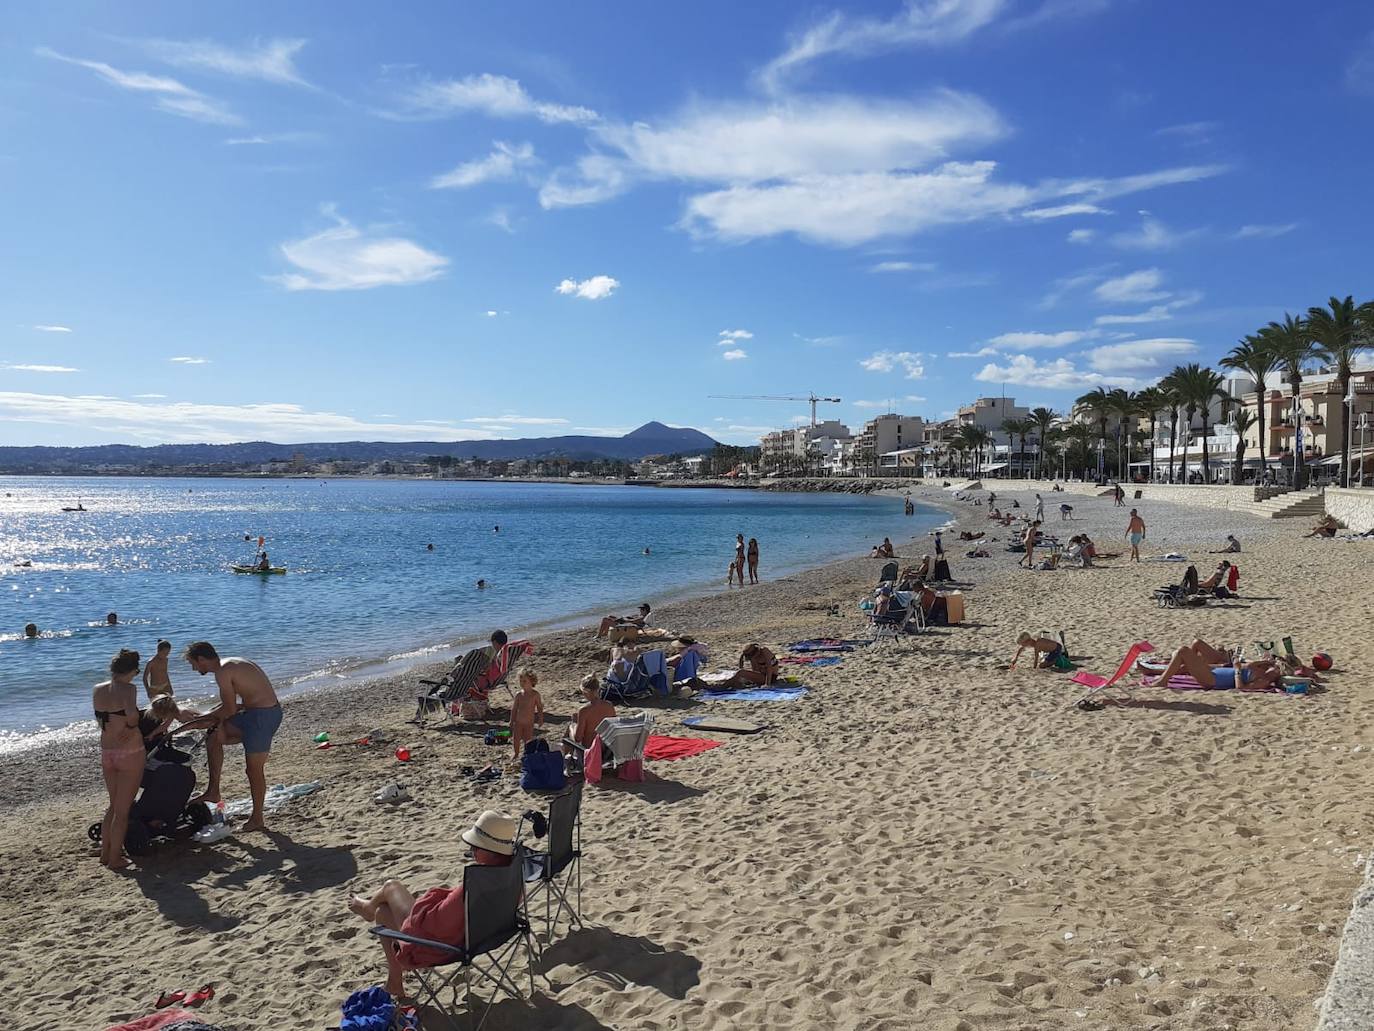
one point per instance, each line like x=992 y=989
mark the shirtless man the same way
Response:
x=156 y=679
x=594 y=709
x=248 y=712
x=1135 y=533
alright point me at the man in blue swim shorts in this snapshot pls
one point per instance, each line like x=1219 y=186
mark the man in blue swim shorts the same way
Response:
x=1209 y=667
x=248 y=713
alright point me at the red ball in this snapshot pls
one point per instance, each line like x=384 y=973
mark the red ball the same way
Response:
x=1321 y=661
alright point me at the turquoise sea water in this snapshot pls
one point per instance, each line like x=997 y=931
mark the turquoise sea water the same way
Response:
x=362 y=589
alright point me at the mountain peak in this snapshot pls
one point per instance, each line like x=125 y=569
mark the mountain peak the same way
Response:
x=650 y=429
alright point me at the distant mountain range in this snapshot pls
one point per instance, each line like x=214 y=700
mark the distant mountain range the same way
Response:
x=653 y=438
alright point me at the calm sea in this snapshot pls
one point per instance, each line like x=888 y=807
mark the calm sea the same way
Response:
x=362 y=590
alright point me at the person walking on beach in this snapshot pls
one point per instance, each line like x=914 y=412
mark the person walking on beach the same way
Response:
x=753 y=558
x=1039 y=508
x=1135 y=533
x=248 y=713
x=156 y=679
x=1028 y=539
x=121 y=753
x=1119 y=495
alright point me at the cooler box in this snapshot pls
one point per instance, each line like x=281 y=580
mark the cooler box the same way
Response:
x=954 y=606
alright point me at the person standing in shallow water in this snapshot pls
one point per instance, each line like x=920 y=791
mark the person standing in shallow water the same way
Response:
x=739 y=556
x=752 y=556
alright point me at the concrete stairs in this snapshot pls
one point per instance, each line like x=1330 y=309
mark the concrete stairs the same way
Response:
x=1308 y=503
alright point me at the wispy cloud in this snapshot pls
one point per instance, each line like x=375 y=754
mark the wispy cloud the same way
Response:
x=53 y=329
x=1139 y=355
x=1155 y=313
x=19 y=367
x=734 y=355
x=919 y=23
x=1021 y=341
x=594 y=289
x=153 y=422
x=907 y=362
x=1060 y=374
x=1154 y=235
x=1359 y=73
x=519 y=420
x=345 y=257
x=496 y=96
x=502 y=163
x=171 y=96
x=1140 y=286
x=733 y=336
x=1190 y=134
x=188 y=360
x=903 y=266
x=1081 y=235
x=272 y=60
x=1063 y=211
x=1263 y=232
x=267 y=139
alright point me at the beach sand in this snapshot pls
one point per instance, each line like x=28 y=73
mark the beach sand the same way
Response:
x=924 y=840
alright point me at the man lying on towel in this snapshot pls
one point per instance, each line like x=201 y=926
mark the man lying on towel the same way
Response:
x=1214 y=668
x=636 y=621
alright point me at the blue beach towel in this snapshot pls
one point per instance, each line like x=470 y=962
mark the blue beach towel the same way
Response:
x=688 y=665
x=825 y=644
x=755 y=694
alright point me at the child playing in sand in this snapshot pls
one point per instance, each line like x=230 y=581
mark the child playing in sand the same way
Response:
x=1050 y=649
x=526 y=709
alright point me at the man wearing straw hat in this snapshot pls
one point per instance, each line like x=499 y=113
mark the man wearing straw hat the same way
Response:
x=438 y=914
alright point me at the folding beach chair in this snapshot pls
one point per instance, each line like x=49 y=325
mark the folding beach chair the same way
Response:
x=497 y=929
x=623 y=685
x=455 y=687
x=557 y=872
x=620 y=741
x=903 y=613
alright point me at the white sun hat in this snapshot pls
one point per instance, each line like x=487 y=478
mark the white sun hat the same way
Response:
x=492 y=831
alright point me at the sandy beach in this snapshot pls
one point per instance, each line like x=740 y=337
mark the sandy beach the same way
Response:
x=926 y=839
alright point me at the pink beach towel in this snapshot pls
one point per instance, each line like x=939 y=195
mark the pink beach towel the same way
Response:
x=592 y=766
x=661 y=747
x=153 y=1021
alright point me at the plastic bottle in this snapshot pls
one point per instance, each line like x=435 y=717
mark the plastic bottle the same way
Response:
x=217 y=817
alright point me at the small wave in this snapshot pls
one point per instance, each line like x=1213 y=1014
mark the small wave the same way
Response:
x=43 y=635
x=14 y=742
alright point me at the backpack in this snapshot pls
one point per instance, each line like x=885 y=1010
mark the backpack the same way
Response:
x=540 y=768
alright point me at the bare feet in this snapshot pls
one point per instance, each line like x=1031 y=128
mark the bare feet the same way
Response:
x=256 y=824
x=365 y=909
x=123 y=864
x=208 y=798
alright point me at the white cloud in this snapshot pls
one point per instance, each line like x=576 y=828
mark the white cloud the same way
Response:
x=37 y=368
x=913 y=397
x=213 y=423
x=874 y=404
x=270 y=60
x=172 y=96
x=502 y=163
x=1139 y=355
x=1264 y=232
x=1140 y=286
x=1060 y=374
x=1190 y=132
x=595 y=178
x=823 y=341
x=903 y=266
x=53 y=329
x=1081 y=235
x=734 y=355
x=1063 y=211
x=150 y=397
x=889 y=361
x=186 y=360
x=500 y=218
x=264 y=139
x=1153 y=235
x=1026 y=341
x=920 y=23
x=496 y=96
x=982 y=352
x=344 y=257
x=1156 y=313
x=594 y=289
x=733 y=336
x=603 y=431
x=519 y=420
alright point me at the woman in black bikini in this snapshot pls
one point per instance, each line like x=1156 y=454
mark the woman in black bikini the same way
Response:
x=121 y=752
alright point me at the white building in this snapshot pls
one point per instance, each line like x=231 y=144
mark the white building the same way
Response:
x=884 y=434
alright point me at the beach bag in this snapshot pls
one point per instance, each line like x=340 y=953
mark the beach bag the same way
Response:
x=540 y=768
x=942 y=570
x=370 y=1009
x=1063 y=663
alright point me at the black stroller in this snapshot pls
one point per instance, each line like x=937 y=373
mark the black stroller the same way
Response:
x=161 y=809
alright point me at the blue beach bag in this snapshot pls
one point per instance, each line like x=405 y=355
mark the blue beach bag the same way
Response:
x=540 y=768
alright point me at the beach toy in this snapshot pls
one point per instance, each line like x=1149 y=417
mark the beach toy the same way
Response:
x=403 y=754
x=1321 y=661
x=321 y=737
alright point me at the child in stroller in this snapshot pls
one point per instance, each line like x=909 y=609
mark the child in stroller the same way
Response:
x=161 y=809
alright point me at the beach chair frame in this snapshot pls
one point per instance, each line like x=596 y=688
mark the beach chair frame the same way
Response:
x=498 y=928
x=888 y=626
x=556 y=873
x=623 y=739
x=452 y=689
x=637 y=685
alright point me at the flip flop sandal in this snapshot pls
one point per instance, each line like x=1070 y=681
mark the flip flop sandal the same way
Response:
x=1088 y=705
x=169 y=998
x=202 y=994
x=467 y=771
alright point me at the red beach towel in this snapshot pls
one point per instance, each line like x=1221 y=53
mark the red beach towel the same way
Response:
x=660 y=747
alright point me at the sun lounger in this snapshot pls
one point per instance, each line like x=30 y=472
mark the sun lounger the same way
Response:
x=497 y=930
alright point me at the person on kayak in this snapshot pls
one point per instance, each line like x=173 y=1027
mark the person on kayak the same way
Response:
x=264 y=566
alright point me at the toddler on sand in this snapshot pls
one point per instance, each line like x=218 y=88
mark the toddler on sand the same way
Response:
x=526 y=709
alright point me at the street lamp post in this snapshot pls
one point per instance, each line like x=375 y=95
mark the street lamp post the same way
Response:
x=1364 y=424
x=1349 y=434
x=1297 y=439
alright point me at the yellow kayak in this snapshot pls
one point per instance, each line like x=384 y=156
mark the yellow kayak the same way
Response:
x=273 y=571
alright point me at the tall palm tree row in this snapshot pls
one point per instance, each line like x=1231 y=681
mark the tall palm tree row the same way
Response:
x=1098 y=405
x=1043 y=419
x=1338 y=332
x=1254 y=358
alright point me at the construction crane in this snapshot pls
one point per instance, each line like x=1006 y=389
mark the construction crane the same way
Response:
x=777 y=397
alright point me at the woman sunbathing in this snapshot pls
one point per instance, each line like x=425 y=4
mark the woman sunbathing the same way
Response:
x=1210 y=668
x=1326 y=527
x=762 y=671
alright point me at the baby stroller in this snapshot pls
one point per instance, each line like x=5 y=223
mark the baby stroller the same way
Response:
x=161 y=809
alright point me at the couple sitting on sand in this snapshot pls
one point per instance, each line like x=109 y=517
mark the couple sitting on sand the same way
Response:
x=1217 y=668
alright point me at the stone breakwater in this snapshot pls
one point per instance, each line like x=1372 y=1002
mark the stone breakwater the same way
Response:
x=812 y=485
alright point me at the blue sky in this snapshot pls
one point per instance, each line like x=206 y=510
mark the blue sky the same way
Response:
x=326 y=221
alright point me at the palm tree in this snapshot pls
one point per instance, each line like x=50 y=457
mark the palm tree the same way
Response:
x=1080 y=437
x=1292 y=348
x=1199 y=387
x=1043 y=418
x=1098 y=404
x=1253 y=357
x=1242 y=421
x=1018 y=428
x=1338 y=335
x=1174 y=400
x=1124 y=408
x=1150 y=402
